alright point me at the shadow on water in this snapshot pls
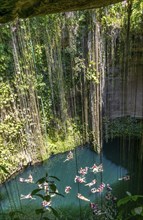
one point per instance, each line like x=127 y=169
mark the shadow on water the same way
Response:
x=124 y=152
x=113 y=166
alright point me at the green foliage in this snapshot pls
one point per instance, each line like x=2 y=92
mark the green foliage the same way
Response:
x=92 y=74
x=126 y=126
x=79 y=65
x=130 y=207
x=115 y=16
x=48 y=196
x=10 y=130
x=137 y=15
x=61 y=139
x=45 y=78
x=4 y=169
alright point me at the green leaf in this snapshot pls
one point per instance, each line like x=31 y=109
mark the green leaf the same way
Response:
x=53 y=187
x=54 y=177
x=124 y=201
x=47 y=198
x=4 y=169
x=59 y=194
x=138 y=210
x=54 y=212
x=39 y=211
x=46 y=218
x=42 y=180
x=136 y=197
x=35 y=191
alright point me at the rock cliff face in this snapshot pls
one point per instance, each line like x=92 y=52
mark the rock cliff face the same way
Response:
x=9 y=10
x=124 y=88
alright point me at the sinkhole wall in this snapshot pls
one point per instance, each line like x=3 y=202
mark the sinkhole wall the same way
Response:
x=123 y=84
x=123 y=94
x=61 y=73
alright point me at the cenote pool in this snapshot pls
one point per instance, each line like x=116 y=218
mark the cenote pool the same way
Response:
x=114 y=168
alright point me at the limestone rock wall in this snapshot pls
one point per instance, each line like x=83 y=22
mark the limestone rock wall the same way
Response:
x=123 y=93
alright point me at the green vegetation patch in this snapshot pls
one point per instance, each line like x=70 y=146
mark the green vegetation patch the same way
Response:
x=125 y=126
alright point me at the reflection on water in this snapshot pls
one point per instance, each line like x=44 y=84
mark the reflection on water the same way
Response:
x=12 y=191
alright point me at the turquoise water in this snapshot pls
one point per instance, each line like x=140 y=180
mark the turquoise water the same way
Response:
x=66 y=172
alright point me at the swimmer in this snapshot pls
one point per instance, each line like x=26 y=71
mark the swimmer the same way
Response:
x=93 y=206
x=82 y=197
x=127 y=177
x=28 y=196
x=96 y=169
x=67 y=189
x=28 y=180
x=83 y=171
x=46 y=204
x=91 y=183
x=93 y=167
x=46 y=187
x=100 y=168
x=40 y=186
x=79 y=179
x=108 y=187
x=94 y=190
x=21 y=179
x=69 y=156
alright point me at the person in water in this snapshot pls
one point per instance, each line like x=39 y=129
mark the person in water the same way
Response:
x=79 y=179
x=125 y=178
x=46 y=204
x=94 y=207
x=28 y=196
x=69 y=156
x=94 y=190
x=28 y=180
x=108 y=187
x=46 y=187
x=67 y=189
x=83 y=171
x=91 y=183
x=82 y=197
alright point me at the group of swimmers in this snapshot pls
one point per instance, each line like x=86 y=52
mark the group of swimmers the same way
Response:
x=78 y=179
x=44 y=186
x=26 y=180
x=81 y=179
